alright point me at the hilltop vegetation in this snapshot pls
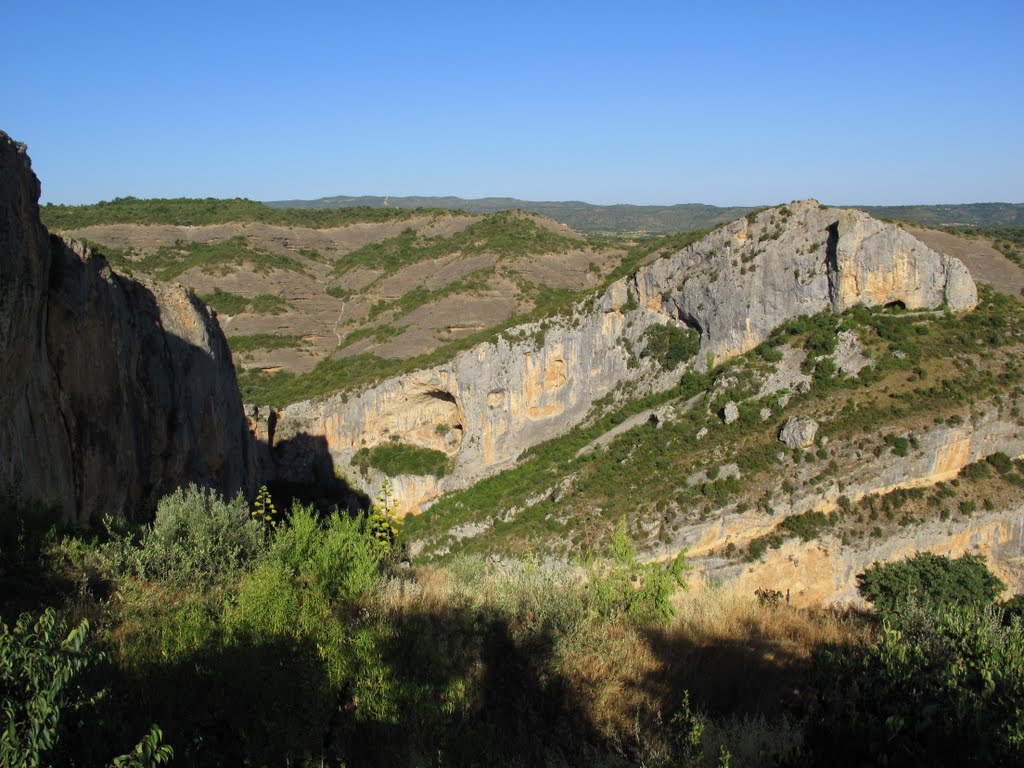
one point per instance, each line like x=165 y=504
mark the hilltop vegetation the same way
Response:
x=503 y=234
x=980 y=215
x=1007 y=240
x=664 y=219
x=200 y=212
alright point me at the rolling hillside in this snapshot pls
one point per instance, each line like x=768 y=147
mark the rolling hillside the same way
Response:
x=663 y=219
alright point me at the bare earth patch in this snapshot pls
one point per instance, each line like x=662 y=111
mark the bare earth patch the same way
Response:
x=986 y=264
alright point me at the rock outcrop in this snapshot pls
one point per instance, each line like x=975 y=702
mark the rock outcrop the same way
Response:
x=798 y=433
x=113 y=391
x=744 y=280
x=824 y=571
x=734 y=287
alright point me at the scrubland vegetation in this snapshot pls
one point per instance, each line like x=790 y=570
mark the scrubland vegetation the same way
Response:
x=923 y=369
x=506 y=234
x=248 y=637
x=227 y=303
x=199 y=212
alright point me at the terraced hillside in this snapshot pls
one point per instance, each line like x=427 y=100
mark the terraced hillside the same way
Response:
x=360 y=288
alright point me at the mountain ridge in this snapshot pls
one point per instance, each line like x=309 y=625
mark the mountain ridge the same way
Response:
x=593 y=218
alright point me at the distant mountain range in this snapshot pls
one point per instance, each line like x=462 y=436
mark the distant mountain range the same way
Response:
x=662 y=219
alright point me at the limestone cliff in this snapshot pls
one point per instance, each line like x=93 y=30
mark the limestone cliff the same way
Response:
x=942 y=451
x=113 y=391
x=489 y=404
x=825 y=571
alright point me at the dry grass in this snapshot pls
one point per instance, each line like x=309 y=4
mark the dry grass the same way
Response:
x=712 y=613
x=742 y=662
x=740 y=658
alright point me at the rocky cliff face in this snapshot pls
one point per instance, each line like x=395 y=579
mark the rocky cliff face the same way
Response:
x=942 y=451
x=744 y=280
x=489 y=404
x=113 y=391
x=825 y=571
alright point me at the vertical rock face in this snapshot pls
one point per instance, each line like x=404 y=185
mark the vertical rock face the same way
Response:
x=113 y=392
x=734 y=287
x=744 y=280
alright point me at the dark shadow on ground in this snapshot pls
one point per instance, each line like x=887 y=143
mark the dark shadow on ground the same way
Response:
x=305 y=474
x=450 y=687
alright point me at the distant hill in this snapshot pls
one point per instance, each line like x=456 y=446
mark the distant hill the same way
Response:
x=583 y=217
x=984 y=215
x=662 y=219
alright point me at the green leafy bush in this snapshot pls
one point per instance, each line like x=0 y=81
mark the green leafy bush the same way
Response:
x=929 y=580
x=228 y=303
x=253 y=341
x=808 y=525
x=944 y=688
x=1003 y=464
x=196 y=538
x=899 y=445
x=40 y=672
x=395 y=459
x=623 y=586
x=670 y=345
x=341 y=556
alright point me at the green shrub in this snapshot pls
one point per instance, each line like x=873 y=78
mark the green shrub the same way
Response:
x=227 y=303
x=670 y=345
x=40 y=671
x=1003 y=464
x=942 y=689
x=900 y=445
x=929 y=580
x=395 y=459
x=621 y=586
x=977 y=470
x=807 y=525
x=340 y=556
x=196 y=538
x=266 y=341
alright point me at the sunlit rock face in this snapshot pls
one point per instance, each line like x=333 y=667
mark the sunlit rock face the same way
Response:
x=734 y=287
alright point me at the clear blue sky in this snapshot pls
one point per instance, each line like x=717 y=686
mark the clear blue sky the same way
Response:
x=639 y=102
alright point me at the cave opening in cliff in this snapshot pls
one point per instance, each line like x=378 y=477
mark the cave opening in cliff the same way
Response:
x=440 y=394
x=453 y=416
x=895 y=305
x=691 y=322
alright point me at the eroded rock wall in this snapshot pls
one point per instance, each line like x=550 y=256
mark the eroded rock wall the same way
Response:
x=489 y=404
x=824 y=571
x=113 y=391
x=747 y=278
x=941 y=452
